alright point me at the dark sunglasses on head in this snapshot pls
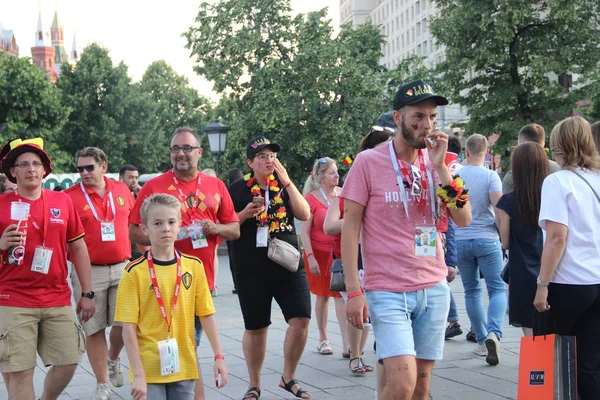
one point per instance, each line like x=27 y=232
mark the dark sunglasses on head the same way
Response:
x=88 y=168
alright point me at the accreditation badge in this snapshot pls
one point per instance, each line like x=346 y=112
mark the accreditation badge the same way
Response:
x=262 y=236
x=197 y=236
x=107 y=230
x=41 y=260
x=425 y=241
x=169 y=356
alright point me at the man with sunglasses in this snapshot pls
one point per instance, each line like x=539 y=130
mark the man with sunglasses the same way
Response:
x=391 y=205
x=206 y=208
x=104 y=206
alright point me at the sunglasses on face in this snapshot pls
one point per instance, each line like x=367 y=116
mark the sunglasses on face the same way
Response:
x=186 y=149
x=88 y=168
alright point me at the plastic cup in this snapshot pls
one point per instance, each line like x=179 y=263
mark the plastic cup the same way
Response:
x=19 y=210
x=452 y=162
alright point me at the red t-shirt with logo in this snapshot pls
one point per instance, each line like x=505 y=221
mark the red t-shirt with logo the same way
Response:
x=214 y=203
x=21 y=287
x=105 y=252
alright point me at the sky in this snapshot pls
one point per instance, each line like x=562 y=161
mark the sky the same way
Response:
x=134 y=31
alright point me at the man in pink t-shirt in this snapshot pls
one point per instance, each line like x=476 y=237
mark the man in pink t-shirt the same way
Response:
x=390 y=202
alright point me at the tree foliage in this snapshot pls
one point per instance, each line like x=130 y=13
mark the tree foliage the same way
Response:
x=288 y=78
x=30 y=105
x=177 y=105
x=503 y=57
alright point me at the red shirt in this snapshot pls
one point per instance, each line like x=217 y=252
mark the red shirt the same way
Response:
x=108 y=252
x=21 y=287
x=214 y=203
x=318 y=238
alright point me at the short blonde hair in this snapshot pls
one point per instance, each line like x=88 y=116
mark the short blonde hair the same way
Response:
x=477 y=144
x=572 y=144
x=159 y=199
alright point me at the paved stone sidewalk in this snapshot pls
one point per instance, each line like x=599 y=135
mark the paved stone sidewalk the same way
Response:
x=460 y=376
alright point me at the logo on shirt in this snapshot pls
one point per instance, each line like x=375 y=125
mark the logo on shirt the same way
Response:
x=86 y=208
x=187 y=280
x=55 y=212
x=171 y=188
x=120 y=201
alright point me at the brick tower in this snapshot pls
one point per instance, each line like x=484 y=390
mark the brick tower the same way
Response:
x=43 y=55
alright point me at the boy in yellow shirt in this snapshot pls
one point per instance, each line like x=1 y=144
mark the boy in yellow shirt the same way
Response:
x=158 y=296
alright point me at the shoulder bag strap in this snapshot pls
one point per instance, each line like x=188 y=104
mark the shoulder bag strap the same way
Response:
x=585 y=180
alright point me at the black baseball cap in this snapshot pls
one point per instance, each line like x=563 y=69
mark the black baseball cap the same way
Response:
x=416 y=92
x=386 y=120
x=259 y=143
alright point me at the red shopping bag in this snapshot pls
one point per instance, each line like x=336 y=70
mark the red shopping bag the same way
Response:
x=547 y=368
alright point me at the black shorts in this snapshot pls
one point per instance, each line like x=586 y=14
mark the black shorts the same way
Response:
x=256 y=293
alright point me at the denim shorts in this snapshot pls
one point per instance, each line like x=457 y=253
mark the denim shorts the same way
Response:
x=180 y=390
x=410 y=323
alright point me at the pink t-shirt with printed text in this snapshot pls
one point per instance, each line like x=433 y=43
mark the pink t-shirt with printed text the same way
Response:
x=388 y=237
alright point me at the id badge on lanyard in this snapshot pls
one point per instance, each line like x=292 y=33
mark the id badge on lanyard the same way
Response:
x=169 y=356
x=108 y=231
x=41 y=260
x=107 y=228
x=197 y=236
x=425 y=241
x=262 y=236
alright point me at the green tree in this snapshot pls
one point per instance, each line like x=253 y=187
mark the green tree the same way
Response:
x=30 y=106
x=109 y=112
x=503 y=57
x=176 y=105
x=288 y=79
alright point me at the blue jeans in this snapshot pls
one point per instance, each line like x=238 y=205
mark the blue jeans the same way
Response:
x=453 y=312
x=485 y=255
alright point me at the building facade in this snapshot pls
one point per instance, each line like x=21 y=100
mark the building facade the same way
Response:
x=405 y=27
x=49 y=52
x=8 y=42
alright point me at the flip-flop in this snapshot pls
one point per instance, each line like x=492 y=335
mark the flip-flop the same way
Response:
x=324 y=348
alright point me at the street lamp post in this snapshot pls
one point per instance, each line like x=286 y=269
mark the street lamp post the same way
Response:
x=217 y=139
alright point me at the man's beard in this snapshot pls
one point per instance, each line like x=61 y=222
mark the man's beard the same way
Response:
x=180 y=168
x=410 y=136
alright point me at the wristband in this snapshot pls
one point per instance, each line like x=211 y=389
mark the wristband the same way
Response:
x=355 y=294
x=219 y=357
x=287 y=185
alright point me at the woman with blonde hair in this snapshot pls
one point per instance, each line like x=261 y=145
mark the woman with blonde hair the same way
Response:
x=569 y=281
x=320 y=189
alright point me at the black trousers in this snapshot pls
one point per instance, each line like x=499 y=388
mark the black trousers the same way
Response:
x=231 y=261
x=575 y=311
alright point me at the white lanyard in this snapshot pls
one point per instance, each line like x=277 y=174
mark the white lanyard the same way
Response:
x=91 y=205
x=325 y=197
x=403 y=192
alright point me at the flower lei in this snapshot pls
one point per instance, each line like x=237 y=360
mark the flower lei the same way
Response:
x=276 y=218
x=454 y=195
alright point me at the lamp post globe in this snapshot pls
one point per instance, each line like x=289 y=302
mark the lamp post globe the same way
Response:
x=217 y=139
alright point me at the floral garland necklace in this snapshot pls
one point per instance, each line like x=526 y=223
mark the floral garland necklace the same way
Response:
x=276 y=219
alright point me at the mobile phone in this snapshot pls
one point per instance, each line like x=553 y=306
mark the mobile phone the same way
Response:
x=258 y=199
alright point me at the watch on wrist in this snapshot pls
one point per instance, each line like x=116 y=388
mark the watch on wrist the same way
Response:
x=541 y=283
x=89 y=295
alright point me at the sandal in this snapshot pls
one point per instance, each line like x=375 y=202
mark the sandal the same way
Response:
x=324 y=348
x=359 y=369
x=366 y=367
x=252 y=394
x=288 y=387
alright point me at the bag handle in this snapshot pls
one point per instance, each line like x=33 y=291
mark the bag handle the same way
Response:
x=589 y=184
x=540 y=320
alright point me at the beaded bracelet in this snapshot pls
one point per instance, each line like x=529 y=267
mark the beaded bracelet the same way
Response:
x=454 y=195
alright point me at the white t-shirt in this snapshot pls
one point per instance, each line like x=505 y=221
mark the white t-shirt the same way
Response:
x=568 y=200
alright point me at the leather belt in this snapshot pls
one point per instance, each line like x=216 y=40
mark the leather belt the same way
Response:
x=108 y=265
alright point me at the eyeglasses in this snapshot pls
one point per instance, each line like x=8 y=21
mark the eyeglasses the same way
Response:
x=186 y=149
x=383 y=128
x=266 y=156
x=27 y=164
x=88 y=168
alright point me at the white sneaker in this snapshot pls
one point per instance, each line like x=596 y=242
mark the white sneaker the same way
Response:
x=480 y=350
x=103 y=392
x=493 y=349
x=115 y=373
